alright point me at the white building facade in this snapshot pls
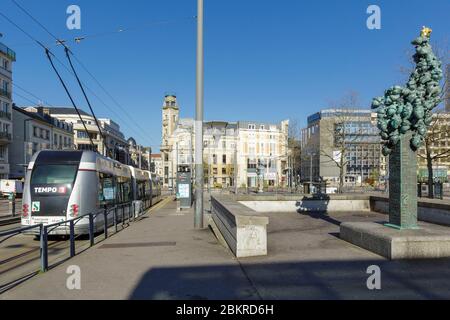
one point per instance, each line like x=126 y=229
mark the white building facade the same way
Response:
x=7 y=58
x=36 y=130
x=113 y=143
x=246 y=154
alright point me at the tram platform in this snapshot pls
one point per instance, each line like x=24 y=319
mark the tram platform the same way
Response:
x=162 y=257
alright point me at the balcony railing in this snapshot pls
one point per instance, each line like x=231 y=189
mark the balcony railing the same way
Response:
x=5 y=115
x=8 y=52
x=5 y=136
x=5 y=93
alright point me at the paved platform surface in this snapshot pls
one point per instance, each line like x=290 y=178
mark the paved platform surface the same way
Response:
x=163 y=257
x=5 y=211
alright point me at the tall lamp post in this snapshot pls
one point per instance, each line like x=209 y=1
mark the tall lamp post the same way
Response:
x=198 y=217
x=311 y=155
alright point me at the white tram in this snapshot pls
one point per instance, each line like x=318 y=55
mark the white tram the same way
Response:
x=63 y=185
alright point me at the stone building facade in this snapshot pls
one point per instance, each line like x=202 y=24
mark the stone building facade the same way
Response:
x=245 y=153
x=321 y=153
x=36 y=130
x=7 y=58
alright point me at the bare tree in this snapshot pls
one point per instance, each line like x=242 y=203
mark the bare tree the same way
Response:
x=438 y=134
x=294 y=147
x=341 y=135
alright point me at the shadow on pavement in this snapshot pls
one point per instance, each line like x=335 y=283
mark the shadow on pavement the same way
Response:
x=425 y=279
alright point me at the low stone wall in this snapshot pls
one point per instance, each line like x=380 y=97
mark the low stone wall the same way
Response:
x=243 y=230
x=433 y=211
x=308 y=206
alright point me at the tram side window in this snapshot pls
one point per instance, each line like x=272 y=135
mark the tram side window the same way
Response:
x=140 y=190
x=148 y=189
x=155 y=189
x=107 y=189
x=123 y=190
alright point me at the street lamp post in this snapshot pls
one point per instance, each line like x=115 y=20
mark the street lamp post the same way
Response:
x=311 y=154
x=198 y=217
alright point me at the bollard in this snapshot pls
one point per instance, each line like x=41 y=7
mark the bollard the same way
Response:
x=44 y=248
x=12 y=204
x=72 y=238
x=91 y=229
x=115 y=219
x=123 y=216
x=105 y=213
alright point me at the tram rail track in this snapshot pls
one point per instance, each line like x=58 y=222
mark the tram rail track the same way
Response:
x=20 y=260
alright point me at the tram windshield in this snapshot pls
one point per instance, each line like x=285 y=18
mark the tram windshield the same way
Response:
x=54 y=174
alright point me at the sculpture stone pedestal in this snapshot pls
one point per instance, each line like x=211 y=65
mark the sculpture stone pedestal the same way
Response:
x=403 y=185
x=400 y=238
x=429 y=242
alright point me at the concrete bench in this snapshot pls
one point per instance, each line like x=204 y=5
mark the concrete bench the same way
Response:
x=242 y=230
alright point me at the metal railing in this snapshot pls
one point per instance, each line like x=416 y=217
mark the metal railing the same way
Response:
x=5 y=136
x=8 y=52
x=5 y=115
x=46 y=230
x=5 y=93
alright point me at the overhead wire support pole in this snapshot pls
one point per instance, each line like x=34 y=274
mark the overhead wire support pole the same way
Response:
x=47 y=52
x=68 y=52
x=198 y=217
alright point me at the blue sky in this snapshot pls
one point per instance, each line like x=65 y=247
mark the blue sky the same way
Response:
x=264 y=60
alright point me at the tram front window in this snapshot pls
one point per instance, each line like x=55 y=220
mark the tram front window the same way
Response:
x=51 y=188
x=54 y=175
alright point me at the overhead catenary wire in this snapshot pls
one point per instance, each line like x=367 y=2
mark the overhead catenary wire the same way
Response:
x=66 y=68
x=47 y=52
x=33 y=18
x=30 y=94
x=122 y=30
x=59 y=41
x=112 y=98
x=39 y=99
x=25 y=98
x=87 y=100
x=23 y=31
x=82 y=38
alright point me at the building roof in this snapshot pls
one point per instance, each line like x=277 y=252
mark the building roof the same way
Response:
x=342 y=112
x=38 y=116
x=67 y=111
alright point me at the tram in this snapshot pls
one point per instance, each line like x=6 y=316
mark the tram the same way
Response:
x=64 y=185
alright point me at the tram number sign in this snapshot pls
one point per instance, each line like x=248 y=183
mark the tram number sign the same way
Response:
x=36 y=206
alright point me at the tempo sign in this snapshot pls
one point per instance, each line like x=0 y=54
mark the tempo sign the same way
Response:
x=50 y=190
